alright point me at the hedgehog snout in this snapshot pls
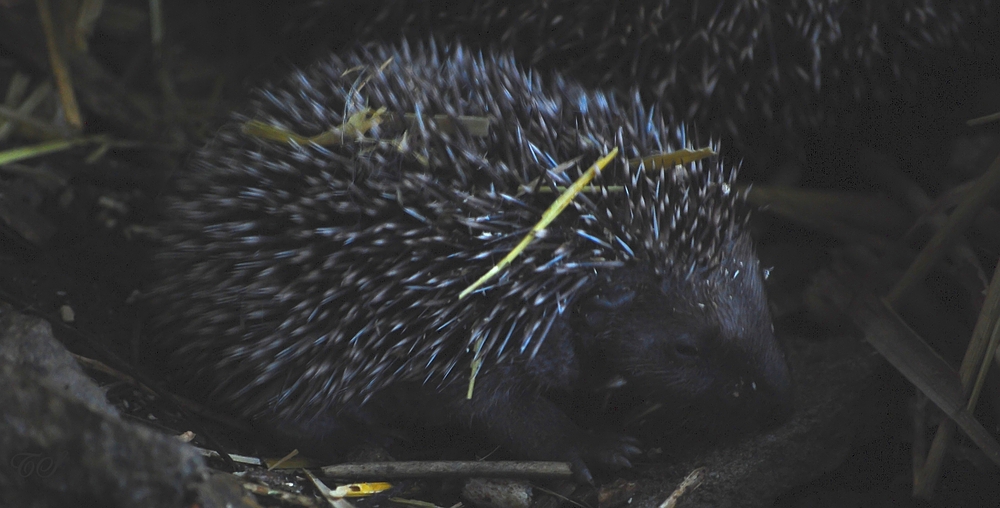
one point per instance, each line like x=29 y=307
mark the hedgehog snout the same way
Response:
x=774 y=386
x=760 y=384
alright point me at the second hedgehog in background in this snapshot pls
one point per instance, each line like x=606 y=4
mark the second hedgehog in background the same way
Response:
x=762 y=74
x=312 y=284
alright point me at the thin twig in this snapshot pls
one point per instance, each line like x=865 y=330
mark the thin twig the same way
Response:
x=479 y=469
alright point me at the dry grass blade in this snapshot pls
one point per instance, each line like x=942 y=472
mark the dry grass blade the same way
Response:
x=477 y=126
x=283 y=461
x=907 y=352
x=361 y=123
x=871 y=211
x=356 y=126
x=986 y=186
x=978 y=356
x=361 y=489
x=328 y=494
x=44 y=129
x=86 y=19
x=691 y=482
x=15 y=92
x=60 y=70
x=921 y=365
x=983 y=120
x=826 y=212
x=550 y=215
x=28 y=152
x=668 y=160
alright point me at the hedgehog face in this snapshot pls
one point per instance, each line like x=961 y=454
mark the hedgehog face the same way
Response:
x=703 y=350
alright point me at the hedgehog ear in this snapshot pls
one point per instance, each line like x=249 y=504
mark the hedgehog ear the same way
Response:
x=614 y=298
x=598 y=309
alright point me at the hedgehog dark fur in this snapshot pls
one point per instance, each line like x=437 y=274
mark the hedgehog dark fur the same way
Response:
x=314 y=287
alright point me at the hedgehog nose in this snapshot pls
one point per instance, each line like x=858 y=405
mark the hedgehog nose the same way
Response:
x=780 y=409
x=778 y=398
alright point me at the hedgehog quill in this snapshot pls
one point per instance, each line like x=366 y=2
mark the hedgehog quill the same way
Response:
x=314 y=288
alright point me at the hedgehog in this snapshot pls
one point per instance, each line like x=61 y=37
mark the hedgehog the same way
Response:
x=313 y=287
x=761 y=74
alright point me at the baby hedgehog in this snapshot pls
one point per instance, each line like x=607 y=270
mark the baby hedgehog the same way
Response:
x=316 y=249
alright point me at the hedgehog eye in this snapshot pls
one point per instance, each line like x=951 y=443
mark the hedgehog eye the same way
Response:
x=685 y=347
x=686 y=350
x=601 y=306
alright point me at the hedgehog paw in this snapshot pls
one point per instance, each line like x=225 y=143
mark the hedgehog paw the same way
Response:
x=605 y=450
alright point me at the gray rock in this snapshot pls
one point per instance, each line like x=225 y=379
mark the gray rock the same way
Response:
x=62 y=444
